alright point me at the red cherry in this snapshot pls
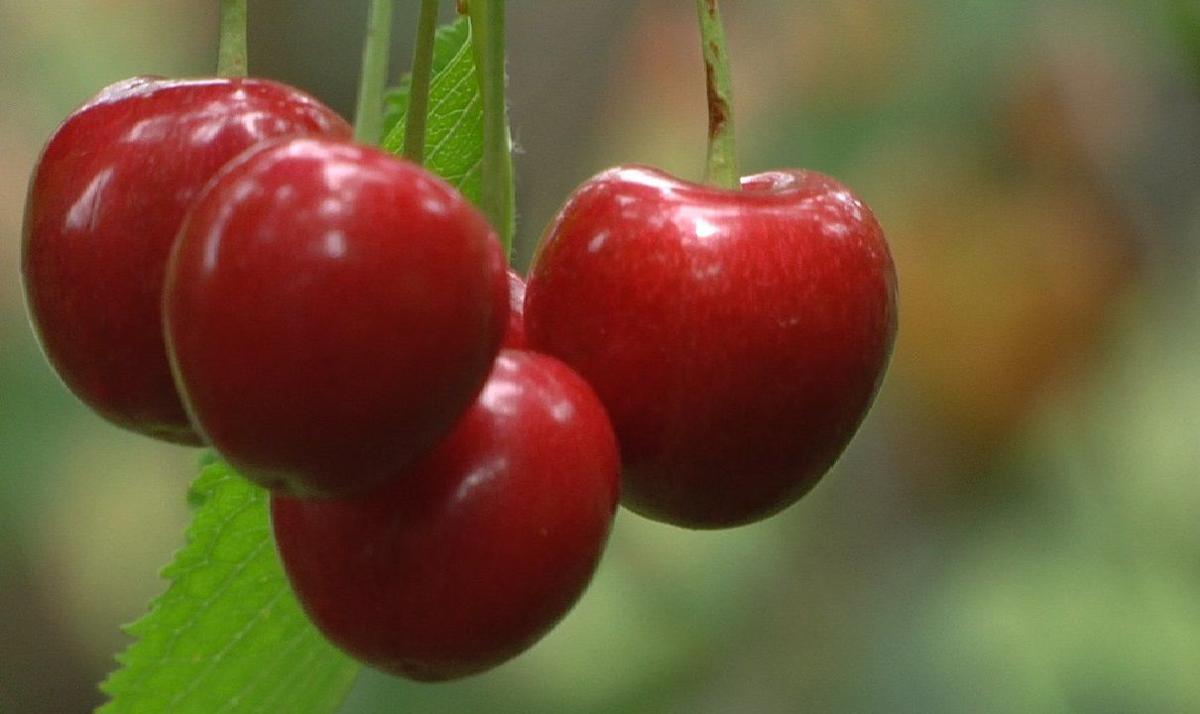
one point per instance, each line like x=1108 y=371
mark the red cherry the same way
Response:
x=330 y=312
x=515 y=338
x=104 y=205
x=737 y=338
x=475 y=552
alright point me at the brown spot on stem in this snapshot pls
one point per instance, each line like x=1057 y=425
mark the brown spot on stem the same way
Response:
x=712 y=7
x=462 y=7
x=718 y=110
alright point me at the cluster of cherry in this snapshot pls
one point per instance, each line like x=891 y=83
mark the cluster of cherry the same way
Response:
x=215 y=262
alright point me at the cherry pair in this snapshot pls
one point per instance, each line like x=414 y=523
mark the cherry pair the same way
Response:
x=329 y=310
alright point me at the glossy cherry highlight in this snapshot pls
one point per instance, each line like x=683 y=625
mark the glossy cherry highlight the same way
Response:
x=105 y=202
x=330 y=312
x=737 y=338
x=474 y=553
x=515 y=338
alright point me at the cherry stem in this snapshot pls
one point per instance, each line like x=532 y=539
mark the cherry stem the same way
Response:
x=231 y=50
x=722 y=167
x=368 y=117
x=487 y=35
x=422 y=72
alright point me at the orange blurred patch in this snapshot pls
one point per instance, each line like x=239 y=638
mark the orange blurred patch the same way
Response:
x=1006 y=291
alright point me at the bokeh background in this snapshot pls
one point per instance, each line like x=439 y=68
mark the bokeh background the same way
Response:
x=1015 y=529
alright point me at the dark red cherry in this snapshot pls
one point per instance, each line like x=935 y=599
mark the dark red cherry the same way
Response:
x=104 y=205
x=737 y=338
x=514 y=338
x=474 y=553
x=330 y=313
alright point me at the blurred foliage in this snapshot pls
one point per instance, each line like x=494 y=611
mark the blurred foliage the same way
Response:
x=1186 y=21
x=1014 y=530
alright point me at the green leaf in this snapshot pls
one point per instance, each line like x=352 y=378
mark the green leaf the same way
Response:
x=227 y=635
x=395 y=104
x=446 y=43
x=454 y=131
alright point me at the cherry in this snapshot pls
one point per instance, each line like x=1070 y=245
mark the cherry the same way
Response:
x=104 y=205
x=737 y=338
x=330 y=312
x=475 y=552
x=515 y=338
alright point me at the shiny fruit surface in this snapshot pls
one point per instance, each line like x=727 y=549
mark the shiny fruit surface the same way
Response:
x=330 y=312
x=475 y=552
x=736 y=338
x=515 y=337
x=104 y=205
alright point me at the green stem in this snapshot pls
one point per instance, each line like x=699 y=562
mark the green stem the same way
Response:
x=722 y=167
x=368 y=117
x=231 y=50
x=422 y=71
x=487 y=32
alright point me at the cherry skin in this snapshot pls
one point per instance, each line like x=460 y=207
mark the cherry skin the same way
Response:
x=330 y=312
x=104 y=205
x=514 y=337
x=737 y=338
x=479 y=549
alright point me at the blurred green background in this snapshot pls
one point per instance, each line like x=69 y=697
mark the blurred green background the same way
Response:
x=1016 y=528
